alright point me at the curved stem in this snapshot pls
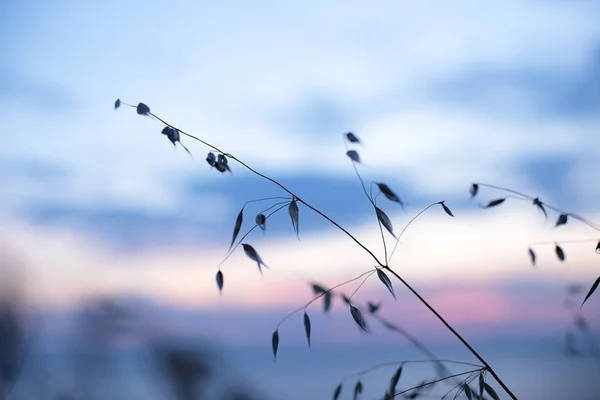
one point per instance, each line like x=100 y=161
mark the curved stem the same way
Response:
x=265 y=199
x=285 y=203
x=362 y=183
x=277 y=184
x=431 y=309
x=467 y=382
x=391 y=363
x=434 y=382
x=585 y=221
x=369 y=196
x=451 y=329
x=408 y=224
x=505 y=190
x=361 y=284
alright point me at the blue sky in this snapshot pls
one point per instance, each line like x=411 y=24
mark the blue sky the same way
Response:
x=441 y=95
x=492 y=94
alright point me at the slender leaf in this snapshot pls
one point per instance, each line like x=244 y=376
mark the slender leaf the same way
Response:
x=598 y=248
x=385 y=221
x=117 y=103
x=494 y=203
x=351 y=137
x=532 y=256
x=337 y=392
x=253 y=255
x=170 y=133
x=307 y=327
x=237 y=227
x=474 y=189
x=592 y=290
x=467 y=390
x=346 y=299
x=294 y=215
x=559 y=253
x=481 y=385
x=174 y=137
x=358 y=318
x=445 y=207
x=395 y=379
x=562 y=219
x=387 y=192
x=386 y=281
x=261 y=221
x=320 y=290
x=353 y=154
x=275 y=343
x=537 y=202
x=358 y=388
x=211 y=159
x=489 y=390
x=220 y=280
x=142 y=109
x=222 y=164
x=317 y=290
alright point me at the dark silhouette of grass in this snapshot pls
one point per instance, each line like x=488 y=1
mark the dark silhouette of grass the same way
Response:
x=221 y=163
x=561 y=219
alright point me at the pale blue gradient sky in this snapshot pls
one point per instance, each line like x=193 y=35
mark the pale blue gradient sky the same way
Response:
x=98 y=202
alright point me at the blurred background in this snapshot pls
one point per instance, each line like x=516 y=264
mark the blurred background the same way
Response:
x=110 y=236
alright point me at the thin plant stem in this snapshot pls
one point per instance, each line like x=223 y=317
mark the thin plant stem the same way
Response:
x=467 y=381
x=400 y=363
x=385 y=266
x=433 y=382
x=326 y=217
x=265 y=199
x=408 y=224
x=505 y=190
x=285 y=203
x=585 y=221
x=361 y=284
x=369 y=196
x=362 y=183
x=458 y=335
x=321 y=295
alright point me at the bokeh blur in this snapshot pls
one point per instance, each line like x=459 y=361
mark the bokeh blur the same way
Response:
x=110 y=236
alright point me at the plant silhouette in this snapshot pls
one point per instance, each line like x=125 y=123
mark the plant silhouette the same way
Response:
x=472 y=383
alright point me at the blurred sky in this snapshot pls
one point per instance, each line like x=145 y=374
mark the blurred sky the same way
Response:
x=99 y=202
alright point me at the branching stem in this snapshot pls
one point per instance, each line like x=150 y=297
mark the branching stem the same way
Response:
x=585 y=221
x=382 y=265
x=321 y=295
